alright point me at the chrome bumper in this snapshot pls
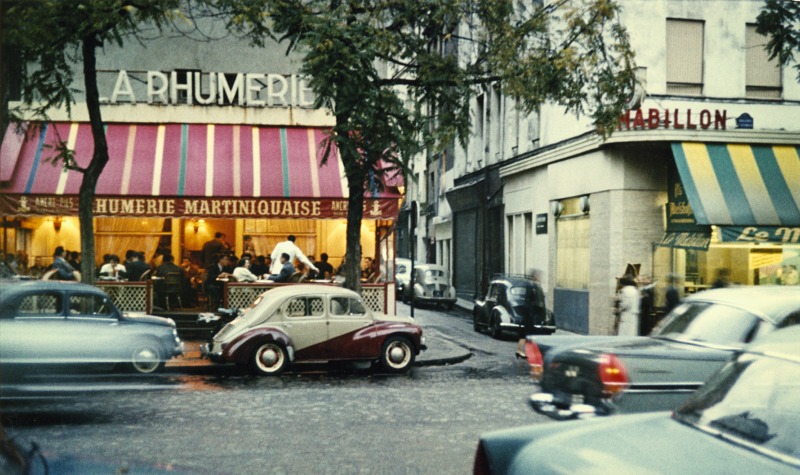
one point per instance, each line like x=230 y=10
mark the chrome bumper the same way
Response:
x=544 y=403
x=205 y=352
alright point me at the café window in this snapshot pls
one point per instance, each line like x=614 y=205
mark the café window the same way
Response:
x=572 y=244
x=763 y=76
x=685 y=57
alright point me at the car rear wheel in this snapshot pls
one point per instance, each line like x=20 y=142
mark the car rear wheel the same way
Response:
x=269 y=359
x=495 y=327
x=146 y=358
x=475 y=325
x=397 y=355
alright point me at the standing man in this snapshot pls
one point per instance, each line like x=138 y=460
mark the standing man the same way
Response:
x=214 y=246
x=288 y=247
x=286 y=271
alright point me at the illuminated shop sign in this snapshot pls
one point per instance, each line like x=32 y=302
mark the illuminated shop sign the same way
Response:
x=194 y=87
x=189 y=207
x=672 y=118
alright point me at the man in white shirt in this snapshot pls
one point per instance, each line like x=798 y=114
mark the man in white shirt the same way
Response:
x=293 y=251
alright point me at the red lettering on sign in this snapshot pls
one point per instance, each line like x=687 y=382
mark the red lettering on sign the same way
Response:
x=653 y=118
x=705 y=119
x=689 y=124
x=677 y=124
x=720 y=119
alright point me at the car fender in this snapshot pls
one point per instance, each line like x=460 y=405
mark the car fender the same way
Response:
x=419 y=291
x=384 y=330
x=505 y=317
x=241 y=347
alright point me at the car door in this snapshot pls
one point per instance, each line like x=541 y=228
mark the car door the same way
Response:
x=305 y=323
x=92 y=331
x=349 y=322
x=32 y=331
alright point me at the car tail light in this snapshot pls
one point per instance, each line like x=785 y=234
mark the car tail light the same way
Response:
x=481 y=465
x=534 y=359
x=613 y=375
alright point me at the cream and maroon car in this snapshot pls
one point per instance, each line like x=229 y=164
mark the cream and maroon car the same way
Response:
x=312 y=323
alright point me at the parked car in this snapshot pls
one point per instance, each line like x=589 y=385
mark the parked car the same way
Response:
x=54 y=325
x=314 y=323
x=402 y=274
x=508 y=301
x=588 y=375
x=744 y=420
x=431 y=286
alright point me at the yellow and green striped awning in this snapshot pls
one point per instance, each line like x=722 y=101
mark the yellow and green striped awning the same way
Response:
x=739 y=184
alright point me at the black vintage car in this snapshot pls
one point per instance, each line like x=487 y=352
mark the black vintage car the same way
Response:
x=598 y=375
x=508 y=301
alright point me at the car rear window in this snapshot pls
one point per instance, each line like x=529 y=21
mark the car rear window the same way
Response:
x=709 y=323
x=752 y=401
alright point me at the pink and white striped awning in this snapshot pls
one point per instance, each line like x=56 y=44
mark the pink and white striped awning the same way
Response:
x=181 y=161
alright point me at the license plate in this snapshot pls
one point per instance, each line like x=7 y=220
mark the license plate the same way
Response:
x=437 y=293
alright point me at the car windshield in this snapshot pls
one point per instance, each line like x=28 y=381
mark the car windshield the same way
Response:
x=434 y=273
x=751 y=401
x=711 y=323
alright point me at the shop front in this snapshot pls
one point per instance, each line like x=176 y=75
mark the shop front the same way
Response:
x=172 y=187
x=733 y=214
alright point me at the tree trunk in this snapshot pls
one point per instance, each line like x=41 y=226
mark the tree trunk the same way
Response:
x=355 y=213
x=96 y=166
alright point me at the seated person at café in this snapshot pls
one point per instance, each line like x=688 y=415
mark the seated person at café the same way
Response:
x=64 y=270
x=259 y=267
x=135 y=267
x=287 y=269
x=242 y=272
x=168 y=266
x=325 y=269
x=214 y=287
x=112 y=268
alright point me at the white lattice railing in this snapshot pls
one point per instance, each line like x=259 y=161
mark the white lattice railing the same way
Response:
x=241 y=295
x=129 y=296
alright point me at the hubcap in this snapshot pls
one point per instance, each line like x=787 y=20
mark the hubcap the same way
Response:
x=146 y=360
x=269 y=357
x=397 y=354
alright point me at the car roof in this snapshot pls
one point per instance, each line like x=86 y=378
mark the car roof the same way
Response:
x=429 y=266
x=513 y=281
x=771 y=301
x=782 y=343
x=305 y=289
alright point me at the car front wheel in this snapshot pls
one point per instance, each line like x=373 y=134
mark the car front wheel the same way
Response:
x=146 y=358
x=269 y=359
x=397 y=355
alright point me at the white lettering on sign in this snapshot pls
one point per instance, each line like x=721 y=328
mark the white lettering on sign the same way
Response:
x=207 y=88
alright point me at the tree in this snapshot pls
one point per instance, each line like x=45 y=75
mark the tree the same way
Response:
x=48 y=36
x=441 y=52
x=780 y=20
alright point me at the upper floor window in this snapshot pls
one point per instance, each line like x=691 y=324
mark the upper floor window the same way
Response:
x=684 y=57
x=763 y=77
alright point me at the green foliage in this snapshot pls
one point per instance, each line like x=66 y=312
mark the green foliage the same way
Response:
x=445 y=52
x=48 y=35
x=780 y=20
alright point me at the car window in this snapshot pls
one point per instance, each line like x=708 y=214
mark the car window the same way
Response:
x=341 y=306
x=754 y=400
x=41 y=304
x=709 y=323
x=401 y=269
x=305 y=307
x=88 y=304
x=493 y=291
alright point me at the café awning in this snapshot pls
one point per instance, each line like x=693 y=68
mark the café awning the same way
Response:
x=740 y=184
x=186 y=170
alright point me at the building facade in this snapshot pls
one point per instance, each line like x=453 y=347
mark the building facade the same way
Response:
x=701 y=180
x=206 y=134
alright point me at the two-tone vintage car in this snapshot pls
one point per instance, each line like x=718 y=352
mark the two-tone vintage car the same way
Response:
x=744 y=420
x=508 y=303
x=314 y=323
x=599 y=375
x=430 y=284
x=52 y=326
